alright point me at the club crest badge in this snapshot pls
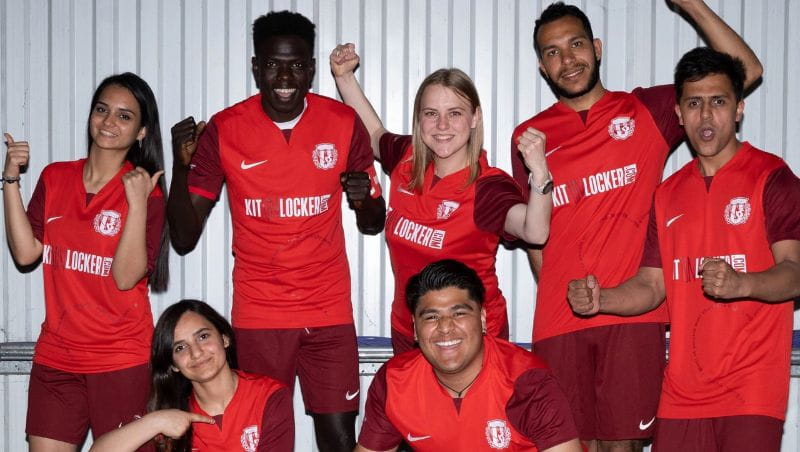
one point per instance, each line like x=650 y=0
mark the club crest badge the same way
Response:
x=737 y=211
x=249 y=438
x=498 y=435
x=445 y=209
x=621 y=127
x=108 y=222
x=325 y=156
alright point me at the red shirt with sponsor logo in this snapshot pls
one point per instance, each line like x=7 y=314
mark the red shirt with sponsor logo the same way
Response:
x=291 y=269
x=241 y=427
x=605 y=169
x=726 y=357
x=438 y=221
x=90 y=326
x=514 y=404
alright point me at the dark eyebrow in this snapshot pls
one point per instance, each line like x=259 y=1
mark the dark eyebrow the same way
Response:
x=131 y=112
x=462 y=306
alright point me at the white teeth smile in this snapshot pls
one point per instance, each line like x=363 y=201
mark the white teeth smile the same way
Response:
x=284 y=92
x=448 y=343
x=108 y=134
x=573 y=73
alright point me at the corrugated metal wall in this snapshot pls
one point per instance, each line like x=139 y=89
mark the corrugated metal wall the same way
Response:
x=196 y=54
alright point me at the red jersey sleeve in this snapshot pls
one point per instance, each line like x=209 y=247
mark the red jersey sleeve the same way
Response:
x=277 y=423
x=652 y=253
x=360 y=156
x=539 y=409
x=156 y=208
x=494 y=196
x=205 y=174
x=781 y=199
x=36 y=210
x=392 y=148
x=377 y=432
x=660 y=101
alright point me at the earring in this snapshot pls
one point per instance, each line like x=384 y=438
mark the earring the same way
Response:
x=140 y=143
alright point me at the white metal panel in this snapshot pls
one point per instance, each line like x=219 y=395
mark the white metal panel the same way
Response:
x=196 y=57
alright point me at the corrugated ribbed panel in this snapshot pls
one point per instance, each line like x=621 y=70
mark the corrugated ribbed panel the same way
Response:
x=196 y=56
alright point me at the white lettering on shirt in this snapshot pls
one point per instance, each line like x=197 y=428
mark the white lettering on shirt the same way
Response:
x=419 y=234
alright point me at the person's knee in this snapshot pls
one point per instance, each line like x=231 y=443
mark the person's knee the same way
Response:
x=335 y=431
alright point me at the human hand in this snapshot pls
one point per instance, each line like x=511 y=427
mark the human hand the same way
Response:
x=357 y=187
x=17 y=156
x=139 y=184
x=584 y=296
x=185 y=136
x=531 y=145
x=174 y=423
x=344 y=59
x=721 y=281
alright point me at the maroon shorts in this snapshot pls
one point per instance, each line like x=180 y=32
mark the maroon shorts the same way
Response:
x=324 y=358
x=611 y=376
x=402 y=343
x=727 y=433
x=64 y=405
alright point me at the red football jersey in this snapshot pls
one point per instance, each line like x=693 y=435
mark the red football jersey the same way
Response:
x=90 y=326
x=605 y=171
x=241 y=421
x=726 y=357
x=291 y=269
x=423 y=411
x=436 y=223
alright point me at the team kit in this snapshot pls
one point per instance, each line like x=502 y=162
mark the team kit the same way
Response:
x=712 y=254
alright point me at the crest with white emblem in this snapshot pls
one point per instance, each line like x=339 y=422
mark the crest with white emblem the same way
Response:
x=737 y=211
x=249 y=438
x=325 y=156
x=498 y=435
x=621 y=127
x=445 y=209
x=108 y=222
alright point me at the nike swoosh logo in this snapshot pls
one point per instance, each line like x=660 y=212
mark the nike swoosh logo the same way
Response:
x=673 y=219
x=404 y=191
x=643 y=426
x=552 y=150
x=412 y=439
x=53 y=218
x=247 y=166
x=352 y=396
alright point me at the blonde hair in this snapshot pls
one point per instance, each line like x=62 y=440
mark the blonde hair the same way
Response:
x=422 y=156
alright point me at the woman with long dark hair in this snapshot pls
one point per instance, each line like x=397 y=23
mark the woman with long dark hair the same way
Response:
x=446 y=200
x=98 y=226
x=198 y=401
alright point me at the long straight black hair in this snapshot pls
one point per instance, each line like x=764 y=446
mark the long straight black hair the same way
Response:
x=149 y=155
x=170 y=389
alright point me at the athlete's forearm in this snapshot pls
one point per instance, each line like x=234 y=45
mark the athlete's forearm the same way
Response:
x=354 y=96
x=640 y=294
x=721 y=37
x=130 y=257
x=23 y=244
x=371 y=217
x=777 y=284
x=185 y=226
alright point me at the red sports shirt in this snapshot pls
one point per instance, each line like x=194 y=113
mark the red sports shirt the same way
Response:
x=438 y=222
x=726 y=357
x=291 y=269
x=242 y=428
x=605 y=171
x=90 y=326
x=514 y=404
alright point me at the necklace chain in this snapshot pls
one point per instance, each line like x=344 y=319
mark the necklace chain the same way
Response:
x=458 y=393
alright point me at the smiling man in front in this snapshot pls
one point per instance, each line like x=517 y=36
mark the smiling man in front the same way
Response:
x=463 y=390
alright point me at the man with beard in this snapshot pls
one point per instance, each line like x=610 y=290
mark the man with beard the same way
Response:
x=606 y=151
x=286 y=156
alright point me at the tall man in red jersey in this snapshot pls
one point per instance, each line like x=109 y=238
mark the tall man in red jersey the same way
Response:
x=606 y=151
x=723 y=246
x=463 y=390
x=286 y=156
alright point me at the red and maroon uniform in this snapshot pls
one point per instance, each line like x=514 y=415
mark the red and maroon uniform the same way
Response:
x=726 y=358
x=90 y=325
x=441 y=220
x=605 y=169
x=291 y=269
x=246 y=423
x=514 y=404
